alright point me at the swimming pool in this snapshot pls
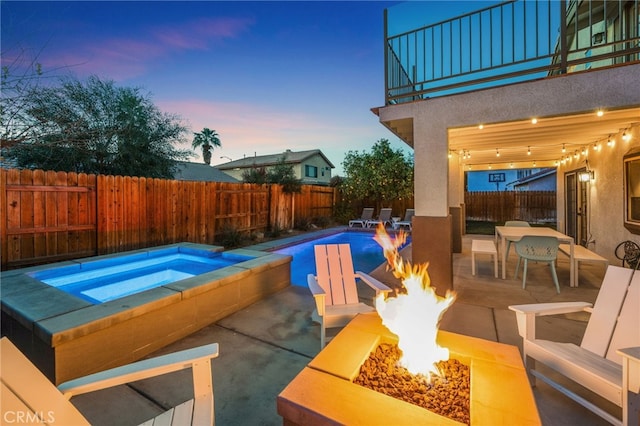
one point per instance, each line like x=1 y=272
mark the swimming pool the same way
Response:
x=108 y=279
x=366 y=252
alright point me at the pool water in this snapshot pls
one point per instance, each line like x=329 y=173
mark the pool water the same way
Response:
x=366 y=253
x=109 y=279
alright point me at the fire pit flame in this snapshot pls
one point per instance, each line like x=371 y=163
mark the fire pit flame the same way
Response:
x=414 y=313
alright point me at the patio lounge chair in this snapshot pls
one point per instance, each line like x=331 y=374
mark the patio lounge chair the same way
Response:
x=406 y=221
x=367 y=214
x=28 y=393
x=334 y=288
x=384 y=217
x=597 y=364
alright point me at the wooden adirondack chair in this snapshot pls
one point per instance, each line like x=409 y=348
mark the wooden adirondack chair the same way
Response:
x=27 y=393
x=334 y=288
x=596 y=364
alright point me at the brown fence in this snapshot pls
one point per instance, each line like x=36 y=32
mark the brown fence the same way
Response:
x=495 y=206
x=50 y=216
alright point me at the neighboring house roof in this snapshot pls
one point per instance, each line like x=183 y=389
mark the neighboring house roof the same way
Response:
x=200 y=172
x=533 y=177
x=290 y=157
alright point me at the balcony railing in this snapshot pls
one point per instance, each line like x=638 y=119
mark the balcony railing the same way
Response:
x=507 y=43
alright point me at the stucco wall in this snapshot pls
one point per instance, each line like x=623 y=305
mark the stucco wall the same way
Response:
x=606 y=195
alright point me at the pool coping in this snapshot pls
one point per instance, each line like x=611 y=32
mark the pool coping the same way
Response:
x=281 y=243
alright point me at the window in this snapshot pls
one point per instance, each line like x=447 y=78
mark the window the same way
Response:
x=311 y=171
x=632 y=191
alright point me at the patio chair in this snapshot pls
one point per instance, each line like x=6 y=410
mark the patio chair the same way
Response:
x=384 y=217
x=406 y=221
x=367 y=214
x=334 y=288
x=597 y=364
x=27 y=392
x=537 y=249
x=514 y=223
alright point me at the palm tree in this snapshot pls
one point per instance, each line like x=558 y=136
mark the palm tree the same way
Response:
x=208 y=139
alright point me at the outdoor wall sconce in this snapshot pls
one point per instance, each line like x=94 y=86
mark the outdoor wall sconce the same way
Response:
x=586 y=176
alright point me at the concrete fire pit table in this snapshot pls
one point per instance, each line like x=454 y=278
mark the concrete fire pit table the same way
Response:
x=323 y=392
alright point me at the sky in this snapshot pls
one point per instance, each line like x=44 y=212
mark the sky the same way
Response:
x=266 y=76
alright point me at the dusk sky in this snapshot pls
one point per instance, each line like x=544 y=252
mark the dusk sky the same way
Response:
x=267 y=76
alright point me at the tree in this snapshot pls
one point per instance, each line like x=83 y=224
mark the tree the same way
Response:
x=283 y=174
x=255 y=175
x=18 y=77
x=382 y=175
x=97 y=127
x=207 y=139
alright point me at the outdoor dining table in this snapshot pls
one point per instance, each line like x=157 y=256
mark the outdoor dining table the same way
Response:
x=515 y=233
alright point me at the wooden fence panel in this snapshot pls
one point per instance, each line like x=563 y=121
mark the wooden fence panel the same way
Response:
x=48 y=216
x=500 y=206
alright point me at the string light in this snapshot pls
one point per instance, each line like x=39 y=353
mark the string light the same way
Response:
x=611 y=141
x=626 y=136
x=528 y=150
x=534 y=121
x=600 y=113
x=481 y=126
x=564 y=149
x=497 y=153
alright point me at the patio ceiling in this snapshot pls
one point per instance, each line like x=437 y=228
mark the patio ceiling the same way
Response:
x=578 y=133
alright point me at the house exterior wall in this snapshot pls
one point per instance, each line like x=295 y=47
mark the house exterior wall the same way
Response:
x=546 y=183
x=567 y=94
x=605 y=196
x=323 y=169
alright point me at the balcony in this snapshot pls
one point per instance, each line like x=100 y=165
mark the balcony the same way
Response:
x=508 y=43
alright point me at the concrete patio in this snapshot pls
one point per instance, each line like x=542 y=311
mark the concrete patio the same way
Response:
x=264 y=346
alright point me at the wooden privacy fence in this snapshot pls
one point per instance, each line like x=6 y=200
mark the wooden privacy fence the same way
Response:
x=500 y=206
x=49 y=216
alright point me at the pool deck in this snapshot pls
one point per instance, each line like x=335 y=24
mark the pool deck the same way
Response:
x=265 y=345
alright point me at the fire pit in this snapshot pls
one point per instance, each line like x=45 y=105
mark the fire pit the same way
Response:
x=324 y=392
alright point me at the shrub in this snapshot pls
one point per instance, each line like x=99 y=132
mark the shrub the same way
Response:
x=230 y=237
x=275 y=231
x=303 y=224
x=322 y=221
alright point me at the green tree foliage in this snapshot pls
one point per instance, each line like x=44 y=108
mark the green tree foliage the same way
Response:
x=283 y=174
x=255 y=175
x=382 y=175
x=207 y=139
x=97 y=127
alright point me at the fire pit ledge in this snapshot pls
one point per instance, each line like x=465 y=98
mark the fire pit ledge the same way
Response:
x=323 y=392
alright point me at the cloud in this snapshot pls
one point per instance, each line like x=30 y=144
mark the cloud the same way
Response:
x=125 y=58
x=201 y=33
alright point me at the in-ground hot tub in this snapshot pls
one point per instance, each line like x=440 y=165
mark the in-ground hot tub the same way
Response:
x=82 y=316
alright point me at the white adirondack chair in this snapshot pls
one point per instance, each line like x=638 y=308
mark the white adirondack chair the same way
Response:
x=596 y=365
x=334 y=288
x=25 y=390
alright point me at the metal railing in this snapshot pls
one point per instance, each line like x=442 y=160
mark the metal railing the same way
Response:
x=507 y=43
